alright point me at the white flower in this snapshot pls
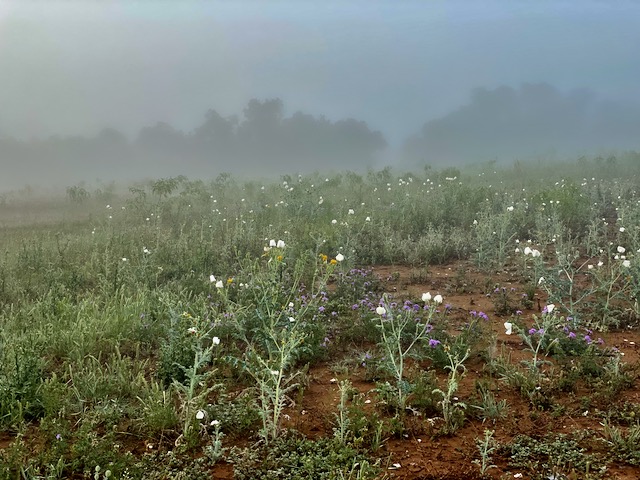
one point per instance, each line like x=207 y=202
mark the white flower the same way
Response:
x=280 y=244
x=212 y=279
x=517 y=250
x=510 y=209
x=590 y=267
x=339 y=257
x=272 y=243
x=334 y=221
x=145 y=250
x=368 y=219
x=437 y=299
x=621 y=249
x=214 y=423
x=291 y=319
x=527 y=250
x=351 y=211
x=426 y=297
x=215 y=341
x=200 y=414
x=535 y=253
x=550 y=307
x=626 y=263
x=275 y=372
x=219 y=284
x=475 y=222
x=124 y=259
x=381 y=310
x=600 y=263
x=540 y=280
x=508 y=326
x=621 y=229
x=192 y=330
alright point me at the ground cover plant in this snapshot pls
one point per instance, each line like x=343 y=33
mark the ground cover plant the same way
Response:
x=473 y=323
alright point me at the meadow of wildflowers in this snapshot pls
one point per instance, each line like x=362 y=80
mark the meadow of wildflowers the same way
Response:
x=477 y=323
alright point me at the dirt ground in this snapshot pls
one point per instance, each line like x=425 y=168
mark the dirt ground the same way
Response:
x=423 y=455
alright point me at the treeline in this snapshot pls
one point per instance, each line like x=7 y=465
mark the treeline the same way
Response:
x=504 y=124
x=261 y=141
x=536 y=119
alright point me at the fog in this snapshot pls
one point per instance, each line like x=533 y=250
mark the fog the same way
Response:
x=124 y=90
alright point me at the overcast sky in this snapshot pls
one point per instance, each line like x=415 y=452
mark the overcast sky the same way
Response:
x=74 y=67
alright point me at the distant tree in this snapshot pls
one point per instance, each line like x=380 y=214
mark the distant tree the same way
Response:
x=216 y=137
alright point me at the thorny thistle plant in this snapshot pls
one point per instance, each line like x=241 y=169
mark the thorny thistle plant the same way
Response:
x=401 y=330
x=452 y=409
x=274 y=329
x=197 y=376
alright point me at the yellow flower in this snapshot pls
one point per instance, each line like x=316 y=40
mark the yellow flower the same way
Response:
x=323 y=257
x=229 y=281
x=279 y=258
x=333 y=261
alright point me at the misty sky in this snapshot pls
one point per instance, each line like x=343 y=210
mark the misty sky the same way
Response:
x=74 y=67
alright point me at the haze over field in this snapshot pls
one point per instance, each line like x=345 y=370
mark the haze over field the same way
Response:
x=128 y=89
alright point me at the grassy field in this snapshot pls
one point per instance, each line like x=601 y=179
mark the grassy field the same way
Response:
x=480 y=322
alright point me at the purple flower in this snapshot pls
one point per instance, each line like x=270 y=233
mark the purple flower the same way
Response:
x=433 y=343
x=518 y=312
x=587 y=338
x=572 y=335
x=483 y=316
x=541 y=331
x=532 y=331
x=321 y=309
x=58 y=436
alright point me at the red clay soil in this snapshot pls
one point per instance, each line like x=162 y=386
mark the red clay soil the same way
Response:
x=424 y=455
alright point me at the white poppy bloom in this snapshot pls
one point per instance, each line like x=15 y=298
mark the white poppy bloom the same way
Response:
x=280 y=244
x=334 y=221
x=540 y=280
x=212 y=279
x=351 y=211
x=219 y=284
x=437 y=299
x=507 y=327
x=275 y=372
x=621 y=249
x=291 y=319
x=339 y=257
x=426 y=297
x=535 y=253
x=621 y=229
x=510 y=209
x=527 y=250
x=215 y=341
x=550 y=307
x=192 y=330
x=381 y=310
x=214 y=423
x=200 y=414
x=272 y=243
x=626 y=263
